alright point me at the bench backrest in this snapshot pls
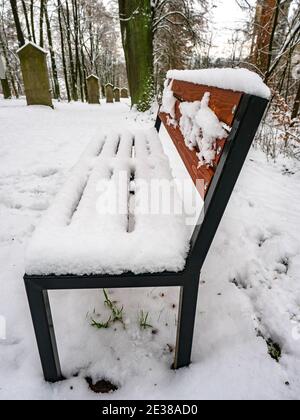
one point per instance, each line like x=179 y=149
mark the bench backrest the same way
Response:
x=242 y=113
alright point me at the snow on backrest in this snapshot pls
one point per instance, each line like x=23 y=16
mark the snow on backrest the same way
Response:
x=198 y=118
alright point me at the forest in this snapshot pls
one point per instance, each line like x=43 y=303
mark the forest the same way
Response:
x=84 y=37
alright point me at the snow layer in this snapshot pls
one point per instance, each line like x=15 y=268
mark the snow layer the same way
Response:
x=201 y=127
x=238 y=80
x=34 y=45
x=168 y=100
x=250 y=280
x=85 y=233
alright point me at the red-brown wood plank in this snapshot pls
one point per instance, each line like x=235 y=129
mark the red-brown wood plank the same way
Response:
x=202 y=176
x=223 y=102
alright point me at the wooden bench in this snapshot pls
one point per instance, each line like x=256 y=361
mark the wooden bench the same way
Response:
x=242 y=113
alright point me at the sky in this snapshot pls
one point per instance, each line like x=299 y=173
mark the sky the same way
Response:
x=227 y=16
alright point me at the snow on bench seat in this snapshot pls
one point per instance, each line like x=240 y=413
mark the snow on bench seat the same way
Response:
x=76 y=237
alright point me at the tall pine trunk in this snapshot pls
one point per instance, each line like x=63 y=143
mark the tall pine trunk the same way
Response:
x=263 y=34
x=52 y=54
x=77 y=48
x=26 y=20
x=42 y=23
x=32 y=20
x=5 y=88
x=62 y=44
x=296 y=103
x=20 y=35
x=9 y=70
x=71 y=58
x=4 y=82
x=137 y=38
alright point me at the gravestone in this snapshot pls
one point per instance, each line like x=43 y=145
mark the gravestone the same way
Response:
x=4 y=81
x=93 y=89
x=109 y=93
x=124 y=93
x=35 y=75
x=117 y=94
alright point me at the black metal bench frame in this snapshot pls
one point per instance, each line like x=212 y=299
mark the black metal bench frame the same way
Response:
x=247 y=120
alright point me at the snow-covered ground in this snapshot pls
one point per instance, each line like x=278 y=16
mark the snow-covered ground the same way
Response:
x=250 y=289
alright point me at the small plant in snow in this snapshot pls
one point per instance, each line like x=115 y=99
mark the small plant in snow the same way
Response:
x=274 y=350
x=101 y=325
x=116 y=314
x=143 y=320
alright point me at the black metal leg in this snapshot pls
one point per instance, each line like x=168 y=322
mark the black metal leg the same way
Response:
x=44 y=330
x=186 y=323
x=158 y=123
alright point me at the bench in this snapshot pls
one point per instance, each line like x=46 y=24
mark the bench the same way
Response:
x=101 y=259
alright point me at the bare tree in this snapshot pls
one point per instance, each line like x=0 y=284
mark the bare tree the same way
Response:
x=14 y=8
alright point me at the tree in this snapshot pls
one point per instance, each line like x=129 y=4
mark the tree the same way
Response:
x=296 y=106
x=26 y=19
x=164 y=31
x=62 y=45
x=71 y=59
x=4 y=82
x=178 y=28
x=263 y=31
x=137 y=38
x=14 y=8
x=52 y=54
x=42 y=5
x=32 y=20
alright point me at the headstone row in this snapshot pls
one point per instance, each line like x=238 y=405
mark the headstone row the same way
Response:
x=114 y=94
x=34 y=68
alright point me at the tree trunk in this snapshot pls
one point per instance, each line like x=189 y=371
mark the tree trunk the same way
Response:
x=52 y=55
x=9 y=71
x=263 y=33
x=296 y=104
x=6 y=89
x=273 y=31
x=62 y=43
x=42 y=24
x=77 y=47
x=26 y=19
x=20 y=35
x=32 y=20
x=72 y=66
x=137 y=38
x=85 y=75
x=283 y=23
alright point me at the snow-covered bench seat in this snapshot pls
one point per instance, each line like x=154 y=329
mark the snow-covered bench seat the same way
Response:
x=212 y=117
x=84 y=233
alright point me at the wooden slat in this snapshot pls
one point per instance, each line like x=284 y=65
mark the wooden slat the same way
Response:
x=223 y=102
x=189 y=158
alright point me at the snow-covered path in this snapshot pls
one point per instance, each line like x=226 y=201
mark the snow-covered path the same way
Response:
x=250 y=285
